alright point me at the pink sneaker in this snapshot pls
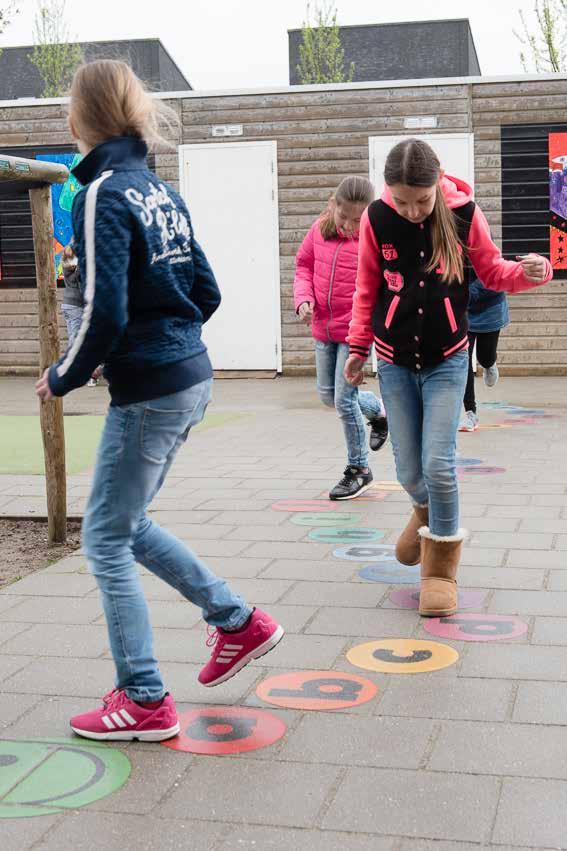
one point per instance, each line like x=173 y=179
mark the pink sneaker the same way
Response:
x=122 y=719
x=233 y=650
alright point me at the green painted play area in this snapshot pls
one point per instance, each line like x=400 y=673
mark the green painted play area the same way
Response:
x=21 y=448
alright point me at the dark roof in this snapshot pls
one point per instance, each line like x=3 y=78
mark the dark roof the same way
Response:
x=402 y=51
x=19 y=78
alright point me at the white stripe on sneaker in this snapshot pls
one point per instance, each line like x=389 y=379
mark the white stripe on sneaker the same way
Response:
x=127 y=717
x=233 y=647
x=107 y=722
x=117 y=719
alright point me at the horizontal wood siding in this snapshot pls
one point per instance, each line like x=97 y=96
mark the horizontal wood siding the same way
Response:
x=323 y=137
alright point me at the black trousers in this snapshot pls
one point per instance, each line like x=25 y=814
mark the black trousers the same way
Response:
x=486 y=345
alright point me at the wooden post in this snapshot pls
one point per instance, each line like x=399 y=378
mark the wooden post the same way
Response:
x=51 y=413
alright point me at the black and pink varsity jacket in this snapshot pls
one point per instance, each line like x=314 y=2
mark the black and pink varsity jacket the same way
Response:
x=415 y=319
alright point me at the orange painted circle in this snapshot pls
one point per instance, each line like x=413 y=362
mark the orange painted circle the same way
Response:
x=316 y=690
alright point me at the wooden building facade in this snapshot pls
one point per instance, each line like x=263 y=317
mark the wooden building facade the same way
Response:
x=322 y=134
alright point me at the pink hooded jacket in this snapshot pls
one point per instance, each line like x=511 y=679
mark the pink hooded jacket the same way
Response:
x=325 y=274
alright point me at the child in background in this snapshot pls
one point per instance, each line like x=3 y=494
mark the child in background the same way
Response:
x=73 y=302
x=148 y=290
x=412 y=298
x=488 y=315
x=324 y=286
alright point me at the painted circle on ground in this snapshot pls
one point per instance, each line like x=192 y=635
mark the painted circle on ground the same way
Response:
x=390 y=574
x=477 y=627
x=302 y=505
x=46 y=776
x=219 y=730
x=388 y=486
x=371 y=552
x=494 y=425
x=468 y=462
x=344 y=535
x=316 y=690
x=408 y=598
x=322 y=518
x=402 y=656
x=372 y=495
x=482 y=471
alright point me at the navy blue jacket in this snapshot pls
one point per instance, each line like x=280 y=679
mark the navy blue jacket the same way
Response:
x=148 y=287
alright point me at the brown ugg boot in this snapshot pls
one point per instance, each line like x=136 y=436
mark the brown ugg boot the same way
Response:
x=408 y=545
x=440 y=558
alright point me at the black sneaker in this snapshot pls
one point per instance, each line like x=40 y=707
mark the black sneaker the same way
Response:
x=378 y=433
x=353 y=483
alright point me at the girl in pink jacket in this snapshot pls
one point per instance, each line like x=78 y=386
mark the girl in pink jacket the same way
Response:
x=324 y=287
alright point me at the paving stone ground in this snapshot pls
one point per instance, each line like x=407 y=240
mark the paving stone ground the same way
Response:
x=471 y=756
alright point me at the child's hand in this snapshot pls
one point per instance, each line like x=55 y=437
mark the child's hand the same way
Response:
x=353 y=371
x=533 y=267
x=42 y=388
x=305 y=312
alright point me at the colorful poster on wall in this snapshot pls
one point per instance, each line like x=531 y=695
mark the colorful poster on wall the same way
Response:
x=558 y=200
x=62 y=196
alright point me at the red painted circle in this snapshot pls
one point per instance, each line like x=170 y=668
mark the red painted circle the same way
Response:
x=218 y=730
x=477 y=627
x=305 y=505
x=315 y=690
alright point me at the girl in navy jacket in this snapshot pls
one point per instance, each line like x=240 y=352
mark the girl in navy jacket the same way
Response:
x=148 y=289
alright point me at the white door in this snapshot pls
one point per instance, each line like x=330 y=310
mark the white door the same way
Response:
x=232 y=194
x=455 y=152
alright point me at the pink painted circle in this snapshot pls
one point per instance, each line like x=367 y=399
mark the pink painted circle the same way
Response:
x=219 y=730
x=305 y=505
x=477 y=627
x=408 y=598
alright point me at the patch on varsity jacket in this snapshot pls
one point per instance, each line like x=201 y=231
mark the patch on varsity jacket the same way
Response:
x=389 y=252
x=395 y=280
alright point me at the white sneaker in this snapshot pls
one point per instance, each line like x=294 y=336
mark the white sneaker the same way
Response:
x=469 y=422
x=491 y=375
x=92 y=382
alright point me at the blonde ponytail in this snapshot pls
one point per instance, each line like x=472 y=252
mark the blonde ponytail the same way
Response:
x=447 y=249
x=108 y=100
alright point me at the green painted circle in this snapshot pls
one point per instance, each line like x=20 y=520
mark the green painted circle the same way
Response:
x=40 y=777
x=332 y=518
x=340 y=535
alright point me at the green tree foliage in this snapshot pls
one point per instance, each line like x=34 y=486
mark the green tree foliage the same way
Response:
x=7 y=12
x=321 y=56
x=55 y=57
x=545 y=37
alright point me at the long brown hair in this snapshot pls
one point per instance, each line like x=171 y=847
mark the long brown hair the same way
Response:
x=415 y=163
x=351 y=190
x=108 y=100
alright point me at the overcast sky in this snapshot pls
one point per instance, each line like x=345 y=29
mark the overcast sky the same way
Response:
x=228 y=44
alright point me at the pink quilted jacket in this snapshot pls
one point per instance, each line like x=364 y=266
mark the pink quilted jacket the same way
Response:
x=325 y=274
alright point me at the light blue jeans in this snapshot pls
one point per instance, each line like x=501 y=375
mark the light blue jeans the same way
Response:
x=350 y=402
x=73 y=317
x=137 y=448
x=423 y=411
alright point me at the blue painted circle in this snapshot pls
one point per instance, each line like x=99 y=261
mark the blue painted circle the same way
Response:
x=342 y=535
x=468 y=462
x=383 y=553
x=390 y=574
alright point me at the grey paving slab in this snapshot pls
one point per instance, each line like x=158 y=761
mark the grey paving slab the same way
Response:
x=541 y=703
x=8 y=631
x=8 y=601
x=244 y=567
x=219 y=548
x=23 y=834
x=51 y=585
x=307 y=651
x=13 y=706
x=472 y=498
x=225 y=503
x=550 y=631
x=532 y=812
x=78 y=830
x=529 y=602
x=276 y=793
x=515 y=661
x=65 y=677
x=525 y=512
x=181 y=681
x=479 y=557
x=466 y=699
x=370 y=623
x=362 y=595
x=549 y=500
x=513 y=578
x=311 y=550
x=544 y=524
x=178 y=614
x=262 y=591
x=351 y=740
x=72 y=564
x=326 y=571
x=59 y=640
x=199 y=531
x=293 y=618
x=286 y=532
x=561 y=542
x=71 y=610
x=49 y=716
x=557 y=580
x=537 y=559
x=9 y=665
x=256 y=518
x=431 y=845
x=289 y=839
x=414 y=803
x=501 y=749
x=508 y=540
